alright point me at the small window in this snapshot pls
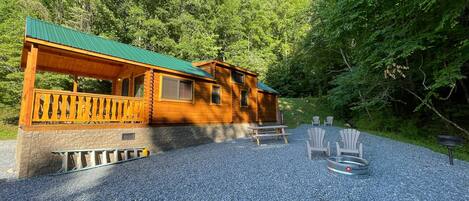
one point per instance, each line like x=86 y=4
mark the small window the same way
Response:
x=237 y=77
x=244 y=98
x=177 y=89
x=125 y=87
x=138 y=86
x=216 y=94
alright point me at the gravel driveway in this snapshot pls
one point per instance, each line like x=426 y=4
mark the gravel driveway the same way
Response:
x=7 y=159
x=240 y=170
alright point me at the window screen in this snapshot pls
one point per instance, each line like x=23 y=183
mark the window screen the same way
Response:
x=125 y=87
x=138 y=86
x=216 y=99
x=170 y=88
x=176 y=89
x=237 y=77
x=244 y=98
x=185 y=90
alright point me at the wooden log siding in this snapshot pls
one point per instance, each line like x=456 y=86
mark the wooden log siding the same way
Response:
x=52 y=106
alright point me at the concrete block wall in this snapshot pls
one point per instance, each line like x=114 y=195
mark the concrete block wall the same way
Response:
x=34 y=148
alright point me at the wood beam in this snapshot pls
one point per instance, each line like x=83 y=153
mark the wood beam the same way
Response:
x=28 y=87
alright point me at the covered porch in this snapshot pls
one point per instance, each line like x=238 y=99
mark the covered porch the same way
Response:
x=125 y=104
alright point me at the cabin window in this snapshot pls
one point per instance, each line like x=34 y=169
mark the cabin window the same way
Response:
x=138 y=86
x=237 y=77
x=244 y=98
x=216 y=94
x=177 y=89
x=125 y=87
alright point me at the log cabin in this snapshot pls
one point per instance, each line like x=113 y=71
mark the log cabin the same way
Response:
x=156 y=101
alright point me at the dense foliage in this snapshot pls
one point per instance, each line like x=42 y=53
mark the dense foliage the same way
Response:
x=386 y=62
x=392 y=65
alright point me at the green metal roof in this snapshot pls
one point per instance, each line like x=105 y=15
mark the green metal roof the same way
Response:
x=265 y=88
x=64 y=36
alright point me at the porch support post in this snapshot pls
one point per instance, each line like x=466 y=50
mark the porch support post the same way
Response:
x=28 y=87
x=75 y=83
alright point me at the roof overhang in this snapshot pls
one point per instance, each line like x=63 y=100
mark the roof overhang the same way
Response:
x=267 y=92
x=226 y=65
x=106 y=57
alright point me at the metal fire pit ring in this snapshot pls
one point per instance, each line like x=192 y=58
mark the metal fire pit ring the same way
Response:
x=348 y=165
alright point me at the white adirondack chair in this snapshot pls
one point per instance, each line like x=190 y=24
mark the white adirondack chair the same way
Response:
x=316 y=121
x=350 y=142
x=315 y=142
x=328 y=120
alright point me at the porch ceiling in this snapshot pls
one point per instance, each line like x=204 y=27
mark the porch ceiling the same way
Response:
x=70 y=63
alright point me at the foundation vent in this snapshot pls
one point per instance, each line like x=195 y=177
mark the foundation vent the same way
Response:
x=128 y=136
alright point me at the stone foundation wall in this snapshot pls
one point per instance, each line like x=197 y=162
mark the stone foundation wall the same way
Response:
x=34 y=157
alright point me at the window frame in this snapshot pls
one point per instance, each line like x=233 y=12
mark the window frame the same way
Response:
x=219 y=94
x=241 y=97
x=178 y=87
x=142 y=74
x=238 y=72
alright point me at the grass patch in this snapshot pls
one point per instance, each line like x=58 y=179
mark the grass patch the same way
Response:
x=8 y=123
x=8 y=132
x=429 y=142
x=297 y=111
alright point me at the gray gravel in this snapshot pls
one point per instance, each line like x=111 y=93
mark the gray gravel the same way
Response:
x=7 y=159
x=240 y=170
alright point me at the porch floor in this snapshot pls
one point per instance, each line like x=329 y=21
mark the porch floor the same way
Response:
x=241 y=170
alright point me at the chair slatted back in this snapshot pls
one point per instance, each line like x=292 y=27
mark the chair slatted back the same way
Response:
x=350 y=138
x=316 y=137
x=316 y=120
x=329 y=119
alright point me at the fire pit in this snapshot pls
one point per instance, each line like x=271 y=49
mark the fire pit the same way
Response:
x=450 y=142
x=348 y=165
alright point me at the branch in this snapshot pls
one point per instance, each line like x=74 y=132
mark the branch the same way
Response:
x=437 y=112
x=336 y=71
x=450 y=92
x=345 y=59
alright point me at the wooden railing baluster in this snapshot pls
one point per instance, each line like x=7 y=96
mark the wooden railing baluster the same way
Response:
x=108 y=109
x=46 y=105
x=55 y=107
x=73 y=108
x=63 y=107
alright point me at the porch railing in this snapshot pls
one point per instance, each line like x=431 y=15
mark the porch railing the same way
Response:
x=55 y=107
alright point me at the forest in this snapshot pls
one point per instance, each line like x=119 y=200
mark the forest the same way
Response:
x=392 y=66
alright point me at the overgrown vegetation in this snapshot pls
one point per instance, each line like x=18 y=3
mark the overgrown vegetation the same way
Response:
x=398 y=66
